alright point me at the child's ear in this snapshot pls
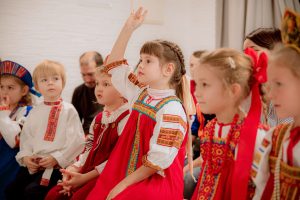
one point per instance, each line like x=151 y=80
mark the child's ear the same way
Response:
x=168 y=69
x=25 y=90
x=236 y=90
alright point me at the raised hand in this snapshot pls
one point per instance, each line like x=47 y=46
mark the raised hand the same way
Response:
x=136 y=18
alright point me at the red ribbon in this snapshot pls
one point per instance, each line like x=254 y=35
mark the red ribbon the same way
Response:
x=241 y=173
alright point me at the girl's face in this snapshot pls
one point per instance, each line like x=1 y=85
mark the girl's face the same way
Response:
x=211 y=93
x=284 y=90
x=50 y=86
x=12 y=90
x=149 y=70
x=105 y=92
x=249 y=44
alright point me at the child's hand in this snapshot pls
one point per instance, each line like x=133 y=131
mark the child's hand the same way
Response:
x=136 y=18
x=70 y=168
x=75 y=179
x=116 y=190
x=4 y=102
x=48 y=162
x=66 y=189
x=30 y=163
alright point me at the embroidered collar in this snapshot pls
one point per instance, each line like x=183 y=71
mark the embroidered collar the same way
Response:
x=110 y=117
x=55 y=103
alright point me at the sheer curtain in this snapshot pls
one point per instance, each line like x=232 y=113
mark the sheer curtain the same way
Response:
x=236 y=18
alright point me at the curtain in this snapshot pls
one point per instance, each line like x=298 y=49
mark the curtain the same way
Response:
x=236 y=18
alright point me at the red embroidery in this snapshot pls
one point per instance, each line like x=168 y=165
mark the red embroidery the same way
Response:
x=53 y=119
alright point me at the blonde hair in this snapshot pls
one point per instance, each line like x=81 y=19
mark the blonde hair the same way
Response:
x=49 y=67
x=25 y=100
x=234 y=67
x=288 y=56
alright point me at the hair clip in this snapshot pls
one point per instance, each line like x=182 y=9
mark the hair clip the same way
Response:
x=231 y=63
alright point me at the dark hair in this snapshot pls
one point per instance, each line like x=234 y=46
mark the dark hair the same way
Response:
x=265 y=37
x=167 y=51
x=94 y=56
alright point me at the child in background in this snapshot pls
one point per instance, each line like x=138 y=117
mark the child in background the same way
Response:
x=224 y=79
x=15 y=104
x=147 y=162
x=51 y=138
x=276 y=166
x=264 y=40
x=106 y=128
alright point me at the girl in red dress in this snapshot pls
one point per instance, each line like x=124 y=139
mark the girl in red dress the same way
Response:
x=147 y=162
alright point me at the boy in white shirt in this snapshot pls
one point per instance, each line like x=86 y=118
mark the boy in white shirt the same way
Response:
x=51 y=138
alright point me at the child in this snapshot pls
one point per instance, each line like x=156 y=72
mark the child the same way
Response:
x=52 y=137
x=223 y=80
x=15 y=104
x=276 y=167
x=264 y=40
x=105 y=131
x=147 y=161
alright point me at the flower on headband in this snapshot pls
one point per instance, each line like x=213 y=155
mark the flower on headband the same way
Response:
x=260 y=64
x=231 y=63
x=290 y=29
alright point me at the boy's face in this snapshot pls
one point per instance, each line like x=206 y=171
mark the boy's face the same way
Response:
x=50 y=86
x=105 y=92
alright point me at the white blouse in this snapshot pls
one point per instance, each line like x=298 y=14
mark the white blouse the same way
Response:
x=10 y=127
x=69 y=138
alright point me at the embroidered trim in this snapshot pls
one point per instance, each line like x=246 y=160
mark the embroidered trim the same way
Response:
x=44 y=182
x=175 y=119
x=115 y=64
x=2 y=108
x=170 y=137
x=52 y=120
x=132 y=163
x=145 y=109
x=147 y=163
x=133 y=79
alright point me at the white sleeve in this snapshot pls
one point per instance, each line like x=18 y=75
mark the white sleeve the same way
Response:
x=260 y=166
x=125 y=81
x=100 y=167
x=74 y=143
x=168 y=135
x=26 y=139
x=122 y=124
x=88 y=146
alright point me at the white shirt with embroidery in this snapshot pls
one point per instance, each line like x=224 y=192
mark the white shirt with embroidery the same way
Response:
x=160 y=156
x=90 y=138
x=262 y=165
x=10 y=128
x=69 y=138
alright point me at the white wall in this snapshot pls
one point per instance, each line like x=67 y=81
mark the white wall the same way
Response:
x=62 y=30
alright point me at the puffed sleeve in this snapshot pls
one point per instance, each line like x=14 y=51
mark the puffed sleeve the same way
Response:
x=88 y=146
x=10 y=129
x=74 y=143
x=168 y=135
x=124 y=80
x=260 y=167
